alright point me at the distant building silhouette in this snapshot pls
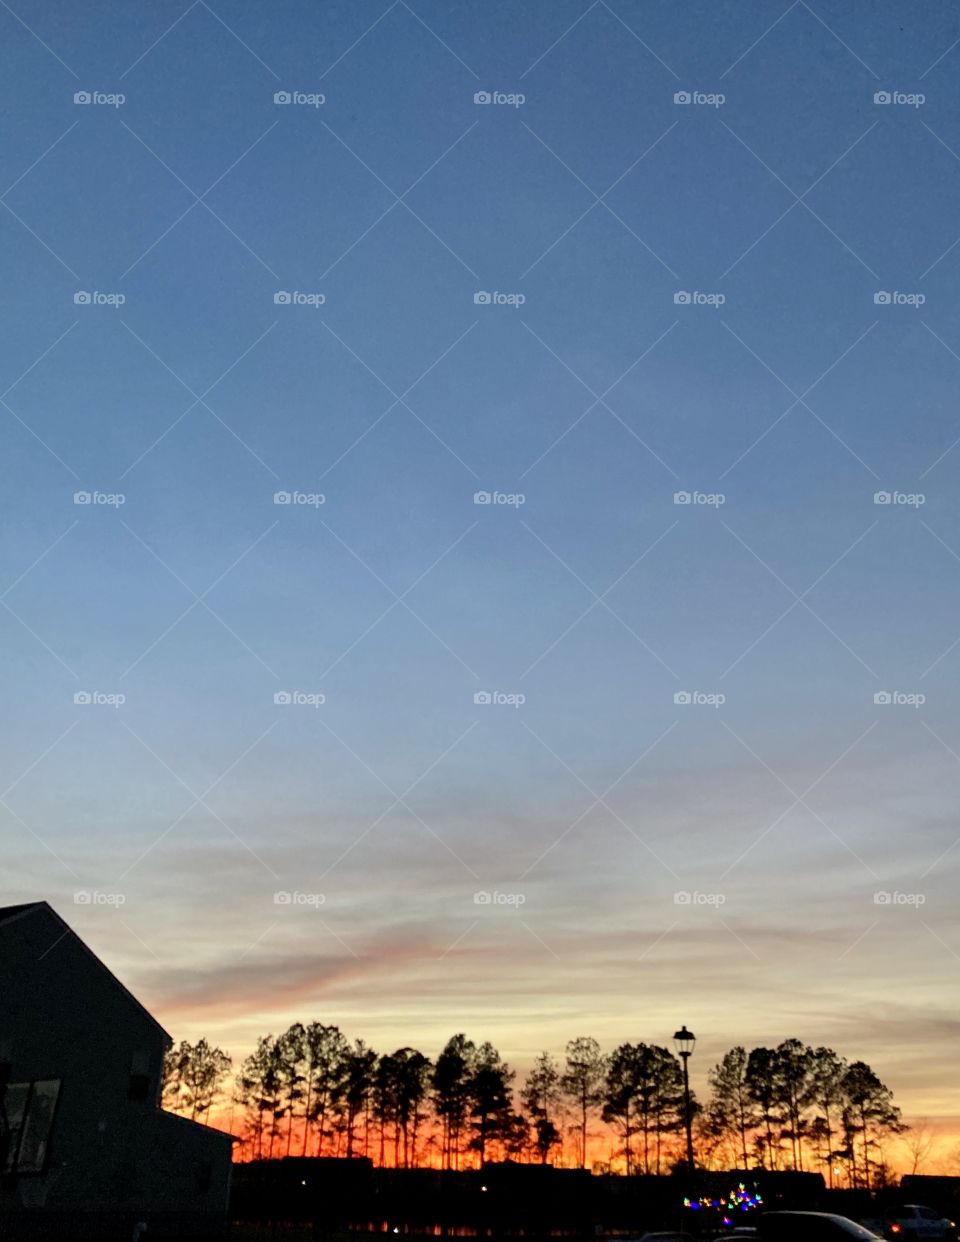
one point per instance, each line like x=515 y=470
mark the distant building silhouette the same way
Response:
x=81 y=1129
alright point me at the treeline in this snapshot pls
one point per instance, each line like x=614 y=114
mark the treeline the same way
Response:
x=310 y=1091
x=798 y=1107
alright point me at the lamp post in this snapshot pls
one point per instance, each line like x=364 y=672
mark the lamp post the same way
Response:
x=685 y=1041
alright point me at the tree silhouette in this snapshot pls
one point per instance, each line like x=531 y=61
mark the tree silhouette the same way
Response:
x=869 y=1112
x=193 y=1075
x=619 y=1100
x=259 y=1091
x=792 y=1068
x=644 y=1096
x=290 y=1055
x=827 y=1096
x=412 y=1070
x=451 y=1080
x=325 y=1052
x=762 y=1089
x=491 y=1110
x=385 y=1105
x=354 y=1091
x=731 y=1110
x=540 y=1095
x=583 y=1083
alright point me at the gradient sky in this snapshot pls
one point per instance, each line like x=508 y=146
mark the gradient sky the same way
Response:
x=599 y=799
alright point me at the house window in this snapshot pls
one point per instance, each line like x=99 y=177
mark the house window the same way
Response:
x=26 y=1120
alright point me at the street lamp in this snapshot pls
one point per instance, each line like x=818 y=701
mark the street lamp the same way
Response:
x=685 y=1041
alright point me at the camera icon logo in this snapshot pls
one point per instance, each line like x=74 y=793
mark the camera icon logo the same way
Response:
x=881 y=97
x=282 y=898
x=681 y=97
x=882 y=498
x=482 y=498
x=481 y=97
x=681 y=898
x=482 y=698
x=81 y=897
x=881 y=298
x=281 y=298
x=882 y=698
x=481 y=298
x=882 y=898
x=682 y=498
x=682 y=697
x=82 y=698
x=281 y=97
x=282 y=498
x=481 y=899
x=81 y=298
x=82 y=498
x=681 y=298
x=283 y=698
x=81 y=97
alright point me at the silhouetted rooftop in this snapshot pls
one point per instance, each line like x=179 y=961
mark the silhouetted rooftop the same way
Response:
x=7 y=912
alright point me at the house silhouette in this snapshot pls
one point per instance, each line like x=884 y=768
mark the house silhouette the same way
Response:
x=82 y=1134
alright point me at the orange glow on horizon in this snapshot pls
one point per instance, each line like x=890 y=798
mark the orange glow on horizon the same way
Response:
x=603 y=1155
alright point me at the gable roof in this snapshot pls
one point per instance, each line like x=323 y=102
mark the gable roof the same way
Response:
x=9 y=914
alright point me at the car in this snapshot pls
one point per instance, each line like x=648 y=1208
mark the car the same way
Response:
x=811 y=1227
x=909 y=1221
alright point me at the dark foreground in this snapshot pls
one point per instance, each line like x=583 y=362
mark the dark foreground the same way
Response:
x=309 y=1200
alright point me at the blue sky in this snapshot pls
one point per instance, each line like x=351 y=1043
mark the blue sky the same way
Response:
x=598 y=199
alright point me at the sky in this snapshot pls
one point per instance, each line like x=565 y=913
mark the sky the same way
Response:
x=596 y=359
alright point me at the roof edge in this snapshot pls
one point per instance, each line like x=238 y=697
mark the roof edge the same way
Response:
x=34 y=906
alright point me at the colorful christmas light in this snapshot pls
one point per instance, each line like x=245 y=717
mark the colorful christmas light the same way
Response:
x=738 y=1200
